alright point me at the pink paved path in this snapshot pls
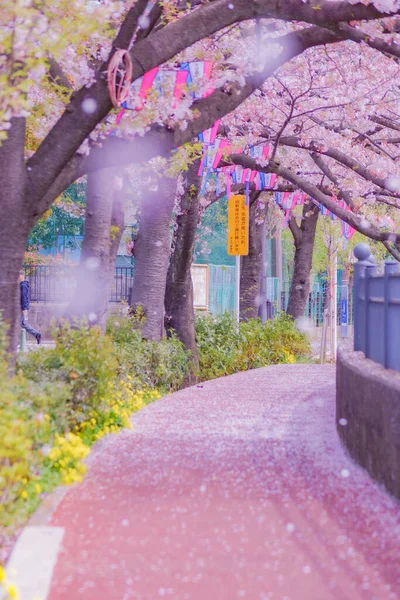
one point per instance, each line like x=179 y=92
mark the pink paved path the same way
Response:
x=237 y=489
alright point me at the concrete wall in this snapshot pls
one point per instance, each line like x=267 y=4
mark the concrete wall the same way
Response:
x=368 y=398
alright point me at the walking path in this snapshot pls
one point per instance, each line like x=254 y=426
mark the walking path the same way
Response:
x=238 y=488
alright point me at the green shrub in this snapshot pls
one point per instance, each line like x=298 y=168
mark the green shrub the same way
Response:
x=76 y=373
x=58 y=404
x=161 y=365
x=224 y=348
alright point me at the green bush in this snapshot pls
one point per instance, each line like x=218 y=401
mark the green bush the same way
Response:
x=224 y=348
x=75 y=373
x=159 y=365
x=57 y=405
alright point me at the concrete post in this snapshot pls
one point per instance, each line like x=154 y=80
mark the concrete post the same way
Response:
x=22 y=345
x=362 y=252
x=370 y=271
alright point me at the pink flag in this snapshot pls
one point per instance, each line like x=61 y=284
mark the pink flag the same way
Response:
x=223 y=144
x=148 y=80
x=214 y=131
x=181 y=77
x=228 y=185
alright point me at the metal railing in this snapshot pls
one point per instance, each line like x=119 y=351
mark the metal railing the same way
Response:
x=122 y=284
x=57 y=283
x=377 y=309
x=318 y=301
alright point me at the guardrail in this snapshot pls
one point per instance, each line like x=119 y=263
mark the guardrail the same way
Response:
x=377 y=309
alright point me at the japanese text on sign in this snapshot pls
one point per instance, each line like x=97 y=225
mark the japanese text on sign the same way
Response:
x=238 y=226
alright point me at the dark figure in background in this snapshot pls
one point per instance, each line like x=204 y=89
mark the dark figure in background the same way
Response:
x=24 y=287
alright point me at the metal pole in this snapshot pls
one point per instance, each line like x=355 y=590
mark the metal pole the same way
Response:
x=323 y=336
x=263 y=285
x=344 y=308
x=334 y=307
x=237 y=288
x=279 y=254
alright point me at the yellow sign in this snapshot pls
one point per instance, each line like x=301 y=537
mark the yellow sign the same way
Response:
x=238 y=226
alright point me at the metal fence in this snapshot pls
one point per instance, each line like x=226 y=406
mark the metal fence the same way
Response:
x=222 y=289
x=122 y=284
x=317 y=302
x=377 y=310
x=58 y=283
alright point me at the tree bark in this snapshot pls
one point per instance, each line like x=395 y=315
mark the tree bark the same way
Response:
x=15 y=225
x=93 y=282
x=179 y=306
x=304 y=237
x=251 y=265
x=152 y=251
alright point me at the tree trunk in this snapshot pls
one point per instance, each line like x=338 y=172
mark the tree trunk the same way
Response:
x=93 y=281
x=151 y=251
x=251 y=265
x=179 y=308
x=304 y=237
x=16 y=222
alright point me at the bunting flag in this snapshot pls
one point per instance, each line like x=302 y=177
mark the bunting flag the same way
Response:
x=259 y=152
x=199 y=78
x=286 y=219
x=288 y=200
x=347 y=230
x=194 y=75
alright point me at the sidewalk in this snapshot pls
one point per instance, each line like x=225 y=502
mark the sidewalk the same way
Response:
x=238 y=488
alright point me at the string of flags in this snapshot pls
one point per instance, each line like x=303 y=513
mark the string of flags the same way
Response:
x=213 y=150
x=288 y=200
x=196 y=77
x=193 y=76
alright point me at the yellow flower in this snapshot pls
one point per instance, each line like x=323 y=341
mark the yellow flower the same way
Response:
x=38 y=488
x=2 y=574
x=12 y=591
x=24 y=494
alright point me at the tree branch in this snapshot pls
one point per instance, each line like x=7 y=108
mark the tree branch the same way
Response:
x=358 y=36
x=385 y=122
x=345 y=194
x=347 y=161
x=57 y=75
x=159 y=141
x=393 y=251
x=74 y=126
x=295 y=229
x=358 y=222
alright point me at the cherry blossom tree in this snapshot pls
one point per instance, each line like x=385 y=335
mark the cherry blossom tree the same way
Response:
x=70 y=141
